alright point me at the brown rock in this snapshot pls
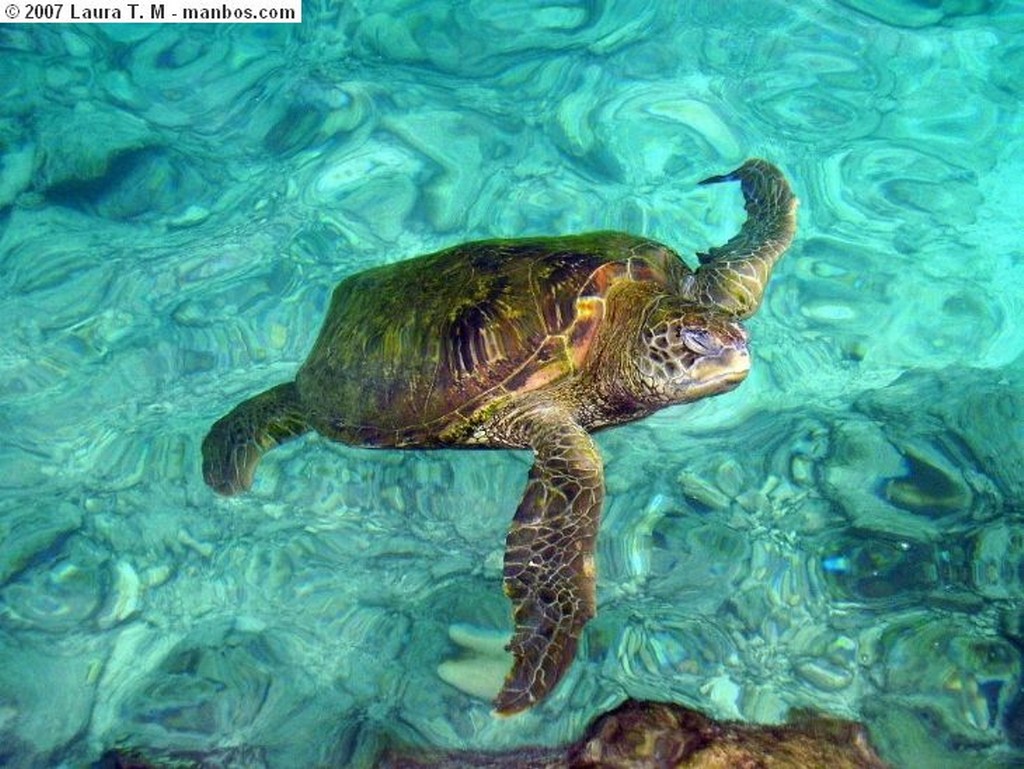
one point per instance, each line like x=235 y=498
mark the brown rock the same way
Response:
x=654 y=735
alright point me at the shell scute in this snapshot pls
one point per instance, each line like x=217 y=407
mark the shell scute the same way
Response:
x=407 y=344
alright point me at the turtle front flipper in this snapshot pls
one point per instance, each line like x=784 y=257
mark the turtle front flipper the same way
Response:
x=549 y=557
x=733 y=277
x=238 y=440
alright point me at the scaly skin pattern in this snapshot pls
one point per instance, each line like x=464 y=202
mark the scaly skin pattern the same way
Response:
x=550 y=574
x=531 y=343
x=239 y=439
x=733 y=277
x=440 y=335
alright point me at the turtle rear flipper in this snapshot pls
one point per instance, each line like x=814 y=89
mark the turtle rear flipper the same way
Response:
x=733 y=277
x=549 y=556
x=238 y=440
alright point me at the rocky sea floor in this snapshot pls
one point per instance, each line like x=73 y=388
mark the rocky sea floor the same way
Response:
x=843 y=532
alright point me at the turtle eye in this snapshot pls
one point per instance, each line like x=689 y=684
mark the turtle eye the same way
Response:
x=700 y=341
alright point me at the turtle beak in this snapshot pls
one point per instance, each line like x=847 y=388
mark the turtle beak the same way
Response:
x=724 y=362
x=724 y=371
x=694 y=357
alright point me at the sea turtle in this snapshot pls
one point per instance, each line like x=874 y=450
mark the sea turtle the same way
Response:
x=527 y=343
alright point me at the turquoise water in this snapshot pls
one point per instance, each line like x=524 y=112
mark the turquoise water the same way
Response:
x=842 y=532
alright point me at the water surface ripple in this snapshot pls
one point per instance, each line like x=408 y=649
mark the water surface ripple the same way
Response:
x=843 y=532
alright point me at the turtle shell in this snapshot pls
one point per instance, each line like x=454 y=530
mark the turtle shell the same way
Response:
x=408 y=347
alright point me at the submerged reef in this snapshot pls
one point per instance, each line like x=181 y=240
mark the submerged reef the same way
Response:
x=635 y=735
x=658 y=735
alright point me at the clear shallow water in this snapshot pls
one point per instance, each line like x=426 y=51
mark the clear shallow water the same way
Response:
x=842 y=532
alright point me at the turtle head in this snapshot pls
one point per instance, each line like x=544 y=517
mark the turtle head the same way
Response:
x=689 y=352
